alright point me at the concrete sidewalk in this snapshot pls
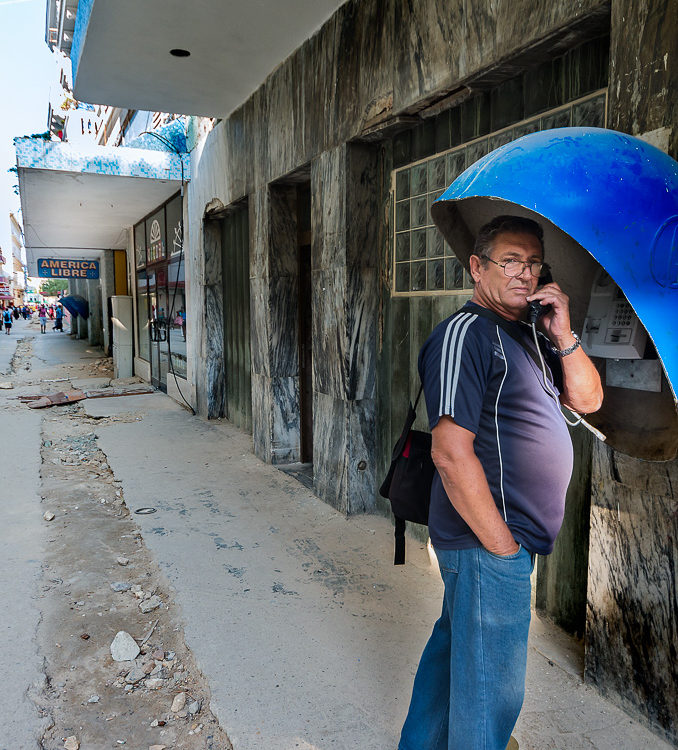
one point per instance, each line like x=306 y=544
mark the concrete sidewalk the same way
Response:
x=307 y=633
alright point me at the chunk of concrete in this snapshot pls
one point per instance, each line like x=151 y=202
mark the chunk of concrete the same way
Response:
x=124 y=647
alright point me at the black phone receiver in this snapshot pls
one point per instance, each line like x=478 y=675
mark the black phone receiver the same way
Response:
x=535 y=309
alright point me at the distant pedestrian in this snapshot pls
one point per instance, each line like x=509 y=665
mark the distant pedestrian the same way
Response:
x=42 y=314
x=59 y=319
x=7 y=320
x=16 y=313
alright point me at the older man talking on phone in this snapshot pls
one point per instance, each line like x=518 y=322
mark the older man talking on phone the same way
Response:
x=503 y=455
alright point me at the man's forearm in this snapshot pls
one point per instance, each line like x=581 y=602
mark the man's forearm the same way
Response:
x=466 y=485
x=582 y=389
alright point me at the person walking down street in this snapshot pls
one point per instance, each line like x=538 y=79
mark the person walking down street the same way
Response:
x=7 y=320
x=42 y=315
x=16 y=313
x=59 y=319
x=503 y=456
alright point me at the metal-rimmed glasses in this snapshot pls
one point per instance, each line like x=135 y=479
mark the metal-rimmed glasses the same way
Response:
x=513 y=268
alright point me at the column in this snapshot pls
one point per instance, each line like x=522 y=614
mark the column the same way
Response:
x=345 y=216
x=94 y=327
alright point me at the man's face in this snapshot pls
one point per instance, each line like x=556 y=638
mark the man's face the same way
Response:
x=493 y=288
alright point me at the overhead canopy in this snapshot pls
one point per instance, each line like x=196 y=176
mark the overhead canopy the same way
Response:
x=604 y=199
x=121 y=50
x=78 y=202
x=76 y=305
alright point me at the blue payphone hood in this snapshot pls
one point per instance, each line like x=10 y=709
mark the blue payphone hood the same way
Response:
x=601 y=193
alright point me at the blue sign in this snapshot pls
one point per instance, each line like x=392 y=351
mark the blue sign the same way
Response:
x=61 y=268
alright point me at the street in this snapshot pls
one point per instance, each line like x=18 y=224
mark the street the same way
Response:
x=265 y=618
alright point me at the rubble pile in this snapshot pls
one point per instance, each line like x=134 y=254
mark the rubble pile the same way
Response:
x=101 y=367
x=113 y=677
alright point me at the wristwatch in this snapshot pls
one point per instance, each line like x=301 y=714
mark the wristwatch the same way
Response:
x=570 y=349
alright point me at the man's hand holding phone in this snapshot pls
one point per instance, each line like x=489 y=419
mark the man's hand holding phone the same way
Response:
x=556 y=320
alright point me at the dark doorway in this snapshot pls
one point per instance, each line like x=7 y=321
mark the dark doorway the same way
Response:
x=305 y=308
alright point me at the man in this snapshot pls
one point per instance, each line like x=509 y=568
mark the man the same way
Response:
x=504 y=458
x=7 y=319
x=59 y=322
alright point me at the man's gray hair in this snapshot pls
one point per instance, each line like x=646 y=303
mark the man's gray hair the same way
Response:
x=506 y=223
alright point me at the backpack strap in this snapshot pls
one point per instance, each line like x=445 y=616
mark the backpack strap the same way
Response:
x=400 y=523
x=399 y=556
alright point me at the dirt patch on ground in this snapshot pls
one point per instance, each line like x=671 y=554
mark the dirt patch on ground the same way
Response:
x=98 y=580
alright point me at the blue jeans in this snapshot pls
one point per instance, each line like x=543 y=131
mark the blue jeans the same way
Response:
x=470 y=684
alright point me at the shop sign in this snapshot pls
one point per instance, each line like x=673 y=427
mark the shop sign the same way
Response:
x=52 y=268
x=5 y=289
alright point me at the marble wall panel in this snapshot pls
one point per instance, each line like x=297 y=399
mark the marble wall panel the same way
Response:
x=260 y=322
x=439 y=44
x=632 y=615
x=316 y=91
x=283 y=232
x=361 y=459
x=330 y=450
x=328 y=209
x=256 y=118
x=280 y=107
x=298 y=63
x=344 y=107
x=210 y=387
x=642 y=87
x=377 y=52
x=214 y=351
x=285 y=420
x=363 y=206
x=429 y=47
x=361 y=311
x=329 y=331
x=261 y=416
x=240 y=173
x=284 y=326
x=212 y=252
x=260 y=233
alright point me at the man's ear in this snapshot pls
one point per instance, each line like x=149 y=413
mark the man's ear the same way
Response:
x=475 y=264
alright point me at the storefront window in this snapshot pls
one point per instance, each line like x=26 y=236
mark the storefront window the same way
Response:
x=174 y=226
x=142 y=314
x=155 y=236
x=140 y=245
x=176 y=332
x=161 y=301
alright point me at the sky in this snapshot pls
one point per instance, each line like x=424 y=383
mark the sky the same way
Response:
x=27 y=70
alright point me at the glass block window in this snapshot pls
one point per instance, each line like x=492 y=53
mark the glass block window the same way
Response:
x=423 y=263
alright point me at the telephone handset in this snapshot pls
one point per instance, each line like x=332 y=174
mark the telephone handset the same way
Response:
x=535 y=309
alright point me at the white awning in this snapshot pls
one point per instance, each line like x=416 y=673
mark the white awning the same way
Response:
x=76 y=203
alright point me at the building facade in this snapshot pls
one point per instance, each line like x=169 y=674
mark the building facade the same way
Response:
x=289 y=280
x=18 y=261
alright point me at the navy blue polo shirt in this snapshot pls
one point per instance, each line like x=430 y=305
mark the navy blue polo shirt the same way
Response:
x=479 y=375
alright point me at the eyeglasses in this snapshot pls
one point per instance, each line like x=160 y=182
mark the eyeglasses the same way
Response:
x=513 y=268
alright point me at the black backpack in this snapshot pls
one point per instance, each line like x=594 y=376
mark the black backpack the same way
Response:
x=408 y=482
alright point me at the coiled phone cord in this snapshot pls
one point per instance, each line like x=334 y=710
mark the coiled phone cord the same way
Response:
x=547 y=384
